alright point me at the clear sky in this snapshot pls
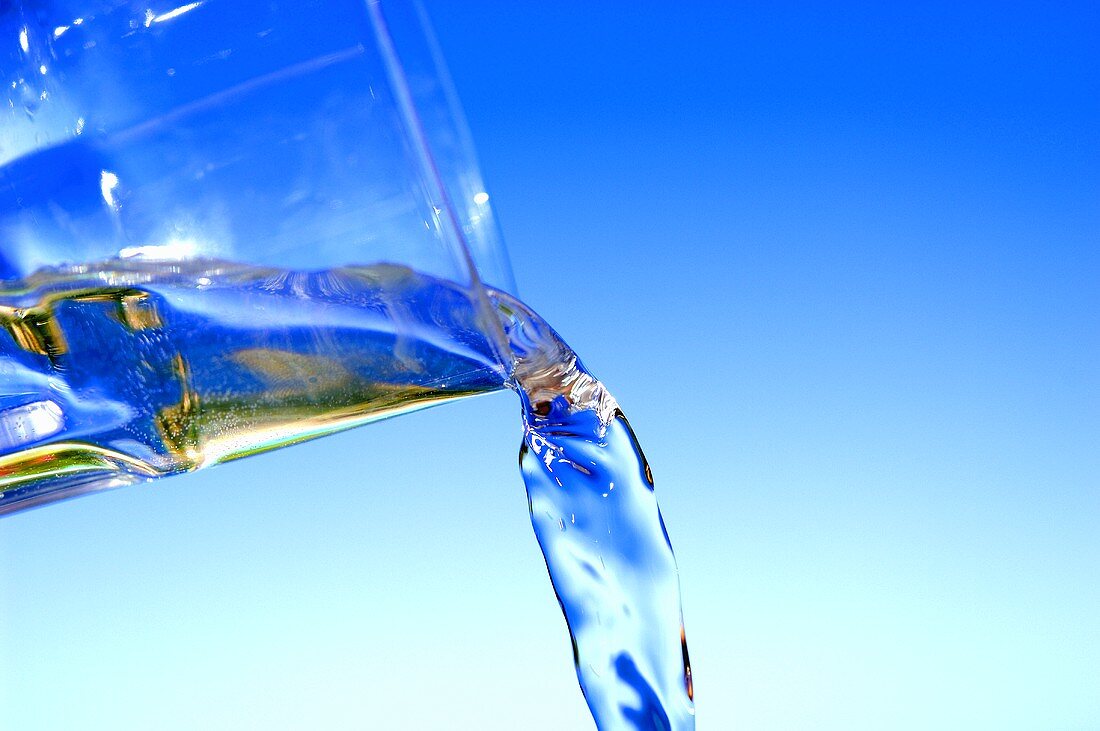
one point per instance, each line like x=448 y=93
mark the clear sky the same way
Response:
x=840 y=264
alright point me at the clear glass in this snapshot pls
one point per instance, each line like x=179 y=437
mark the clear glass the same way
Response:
x=210 y=192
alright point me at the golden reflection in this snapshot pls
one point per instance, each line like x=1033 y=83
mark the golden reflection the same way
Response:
x=180 y=424
x=287 y=373
x=36 y=329
x=138 y=311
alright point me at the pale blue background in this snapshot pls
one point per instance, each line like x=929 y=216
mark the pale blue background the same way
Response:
x=841 y=266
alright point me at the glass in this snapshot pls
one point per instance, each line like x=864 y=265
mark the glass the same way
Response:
x=227 y=226
x=198 y=204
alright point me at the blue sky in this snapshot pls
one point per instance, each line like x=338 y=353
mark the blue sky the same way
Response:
x=845 y=262
x=840 y=266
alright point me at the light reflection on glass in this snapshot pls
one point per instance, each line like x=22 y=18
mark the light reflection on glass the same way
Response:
x=29 y=423
x=108 y=181
x=172 y=250
x=151 y=18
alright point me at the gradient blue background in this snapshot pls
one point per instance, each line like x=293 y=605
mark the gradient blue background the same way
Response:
x=841 y=266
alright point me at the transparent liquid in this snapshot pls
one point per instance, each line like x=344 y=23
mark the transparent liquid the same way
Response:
x=126 y=370
x=130 y=370
x=593 y=508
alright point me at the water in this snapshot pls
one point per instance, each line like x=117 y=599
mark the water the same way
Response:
x=593 y=508
x=127 y=370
